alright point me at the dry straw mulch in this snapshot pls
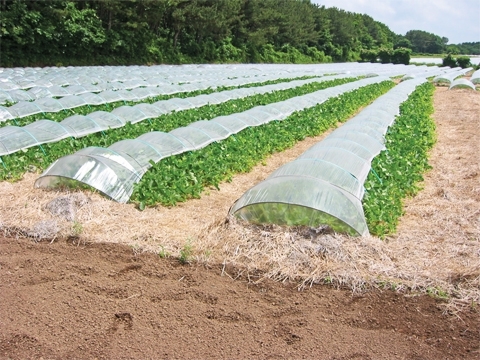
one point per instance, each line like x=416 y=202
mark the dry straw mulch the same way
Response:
x=436 y=249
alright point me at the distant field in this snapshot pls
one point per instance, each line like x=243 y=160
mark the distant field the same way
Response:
x=438 y=60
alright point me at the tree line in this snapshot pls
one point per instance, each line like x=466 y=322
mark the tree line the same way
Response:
x=53 y=32
x=423 y=42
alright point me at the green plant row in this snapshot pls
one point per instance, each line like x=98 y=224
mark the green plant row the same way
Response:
x=398 y=171
x=38 y=158
x=88 y=109
x=184 y=176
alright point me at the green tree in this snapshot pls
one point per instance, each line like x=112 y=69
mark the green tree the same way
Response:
x=425 y=42
x=401 y=56
x=463 y=62
x=81 y=30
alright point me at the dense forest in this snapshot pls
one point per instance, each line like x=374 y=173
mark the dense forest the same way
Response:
x=52 y=32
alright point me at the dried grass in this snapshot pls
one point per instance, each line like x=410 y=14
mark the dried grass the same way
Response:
x=436 y=250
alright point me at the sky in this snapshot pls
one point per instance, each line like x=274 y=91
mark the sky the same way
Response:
x=457 y=20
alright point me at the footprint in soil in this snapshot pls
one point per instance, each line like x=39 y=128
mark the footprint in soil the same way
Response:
x=125 y=319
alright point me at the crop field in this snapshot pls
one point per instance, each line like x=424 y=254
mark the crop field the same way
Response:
x=164 y=203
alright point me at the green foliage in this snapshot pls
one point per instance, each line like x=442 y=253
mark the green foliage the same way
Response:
x=402 y=42
x=369 y=55
x=425 y=42
x=397 y=172
x=401 y=56
x=438 y=293
x=469 y=48
x=100 y=32
x=186 y=253
x=163 y=253
x=185 y=176
x=453 y=49
x=290 y=55
x=77 y=228
x=294 y=215
x=39 y=158
x=463 y=62
x=385 y=55
x=449 y=61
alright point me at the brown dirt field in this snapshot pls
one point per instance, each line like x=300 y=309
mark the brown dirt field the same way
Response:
x=80 y=295
x=63 y=301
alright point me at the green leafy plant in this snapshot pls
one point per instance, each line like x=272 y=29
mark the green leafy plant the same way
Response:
x=185 y=176
x=437 y=293
x=163 y=253
x=77 y=228
x=40 y=157
x=186 y=253
x=463 y=61
x=88 y=109
x=449 y=60
x=398 y=171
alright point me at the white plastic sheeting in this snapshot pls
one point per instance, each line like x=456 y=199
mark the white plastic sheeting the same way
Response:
x=25 y=108
x=475 y=79
x=136 y=156
x=462 y=82
x=166 y=79
x=324 y=186
x=451 y=75
x=80 y=125
x=57 y=82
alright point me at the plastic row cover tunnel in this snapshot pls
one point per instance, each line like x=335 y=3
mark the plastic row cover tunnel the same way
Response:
x=130 y=77
x=150 y=87
x=16 y=138
x=140 y=89
x=125 y=77
x=435 y=72
x=450 y=76
x=461 y=83
x=144 y=83
x=324 y=186
x=60 y=82
x=475 y=79
x=49 y=104
x=114 y=170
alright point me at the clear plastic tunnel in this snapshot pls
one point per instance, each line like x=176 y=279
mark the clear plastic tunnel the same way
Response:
x=302 y=201
x=324 y=185
x=462 y=84
x=126 y=161
x=475 y=78
x=103 y=171
x=81 y=125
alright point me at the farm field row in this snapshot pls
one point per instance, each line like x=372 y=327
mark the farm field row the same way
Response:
x=58 y=108
x=82 y=274
x=335 y=171
x=38 y=158
x=97 y=219
x=182 y=178
x=125 y=162
x=413 y=261
x=185 y=176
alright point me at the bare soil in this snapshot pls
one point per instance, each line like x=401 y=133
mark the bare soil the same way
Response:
x=63 y=301
x=98 y=288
